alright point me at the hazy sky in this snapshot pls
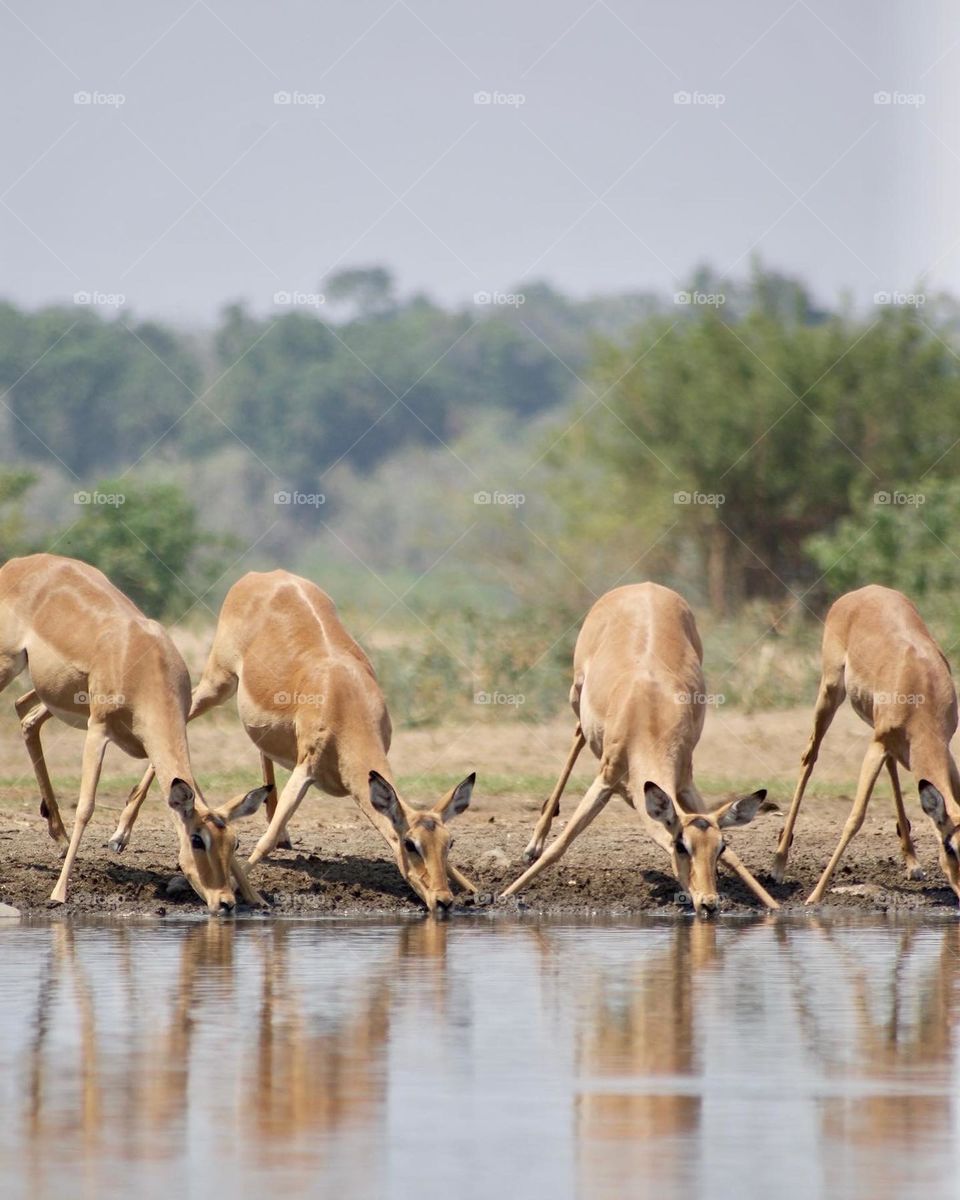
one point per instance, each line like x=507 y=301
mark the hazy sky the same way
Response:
x=199 y=188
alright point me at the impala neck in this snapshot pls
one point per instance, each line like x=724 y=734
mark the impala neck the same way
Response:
x=168 y=752
x=930 y=759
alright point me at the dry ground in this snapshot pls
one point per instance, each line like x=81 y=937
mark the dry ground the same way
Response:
x=339 y=864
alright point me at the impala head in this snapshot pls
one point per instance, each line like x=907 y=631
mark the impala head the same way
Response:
x=698 y=839
x=934 y=805
x=424 y=839
x=213 y=843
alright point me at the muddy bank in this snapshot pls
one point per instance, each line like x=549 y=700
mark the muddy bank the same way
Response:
x=339 y=865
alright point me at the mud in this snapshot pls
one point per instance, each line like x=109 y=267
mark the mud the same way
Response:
x=339 y=865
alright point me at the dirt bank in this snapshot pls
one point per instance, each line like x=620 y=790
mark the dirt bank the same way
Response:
x=339 y=864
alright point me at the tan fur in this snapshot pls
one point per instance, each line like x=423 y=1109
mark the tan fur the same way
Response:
x=639 y=699
x=99 y=664
x=877 y=650
x=309 y=700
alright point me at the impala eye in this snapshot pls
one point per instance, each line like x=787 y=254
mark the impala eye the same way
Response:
x=411 y=847
x=197 y=842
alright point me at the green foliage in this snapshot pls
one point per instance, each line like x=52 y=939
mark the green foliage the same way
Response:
x=14 y=485
x=90 y=393
x=148 y=541
x=901 y=538
x=783 y=420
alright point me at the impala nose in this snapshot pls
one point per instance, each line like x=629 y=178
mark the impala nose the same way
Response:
x=227 y=907
x=709 y=904
x=444 y=904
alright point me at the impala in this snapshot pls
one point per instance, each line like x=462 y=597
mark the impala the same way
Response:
x=309 y=700
x=639 y=698
x=99 y=664
x=877 y=650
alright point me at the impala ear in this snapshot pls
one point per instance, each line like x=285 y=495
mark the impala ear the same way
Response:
x=384 y=798
x=742 y=810
x=933 y=804
x=661 y=808
x=245 y=806
x=181 y=799
x=458 y=801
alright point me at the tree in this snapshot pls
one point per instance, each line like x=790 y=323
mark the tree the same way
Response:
x=148 y=541
x=750 y=436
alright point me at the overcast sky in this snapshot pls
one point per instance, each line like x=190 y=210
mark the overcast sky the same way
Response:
x=199 y=188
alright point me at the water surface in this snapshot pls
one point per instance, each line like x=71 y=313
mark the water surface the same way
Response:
x=480 y=1058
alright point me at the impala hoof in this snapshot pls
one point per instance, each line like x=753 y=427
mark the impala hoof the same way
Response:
x=916 y=873
x=532 y=853
x=117 y=845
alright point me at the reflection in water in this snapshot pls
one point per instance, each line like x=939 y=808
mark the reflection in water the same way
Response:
x=640 y=1024
x=479 y=1058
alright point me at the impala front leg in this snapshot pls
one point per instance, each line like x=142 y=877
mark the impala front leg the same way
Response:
x=552 y=805
x=94 y=747
x=745 y=875
x=872 y=766
x=592 y=803
x=460 y=880
x=247 y=890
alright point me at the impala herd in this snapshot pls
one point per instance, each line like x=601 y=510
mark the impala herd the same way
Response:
x=309 y=700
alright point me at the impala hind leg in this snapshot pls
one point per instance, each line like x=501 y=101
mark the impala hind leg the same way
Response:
x=94 y=747
x=552 y=805
x=266 y=766
x=829 y=699
x=592 y=803
x=871 y=767
x=914 y=870
x=34 y=714
x=131 y=811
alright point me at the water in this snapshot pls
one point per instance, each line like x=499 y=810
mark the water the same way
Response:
x=480 y=1058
